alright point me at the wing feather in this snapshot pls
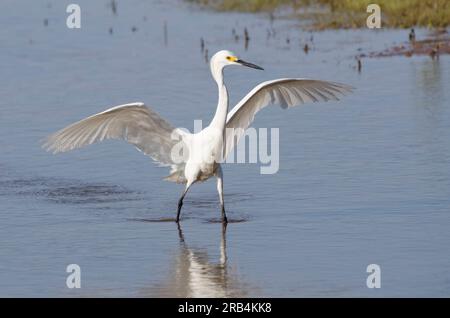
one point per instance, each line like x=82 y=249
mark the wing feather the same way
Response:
x=286 y=92
x=135 y=123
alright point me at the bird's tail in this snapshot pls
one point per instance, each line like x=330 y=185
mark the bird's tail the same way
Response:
x=176 y=176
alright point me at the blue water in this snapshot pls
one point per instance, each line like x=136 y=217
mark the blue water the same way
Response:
x=361 y=181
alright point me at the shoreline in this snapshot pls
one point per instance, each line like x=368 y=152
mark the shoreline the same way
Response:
x=343 y=14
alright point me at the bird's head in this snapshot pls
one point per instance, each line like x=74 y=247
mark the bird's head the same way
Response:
x=224 y=58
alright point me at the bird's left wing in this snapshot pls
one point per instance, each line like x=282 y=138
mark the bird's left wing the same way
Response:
x=286 y=93
x=136 y=123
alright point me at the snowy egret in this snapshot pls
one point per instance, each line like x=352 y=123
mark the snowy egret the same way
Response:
x=203 y=151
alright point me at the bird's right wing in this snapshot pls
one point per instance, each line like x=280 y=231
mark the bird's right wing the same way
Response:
x=285 y=92
x=136 y=123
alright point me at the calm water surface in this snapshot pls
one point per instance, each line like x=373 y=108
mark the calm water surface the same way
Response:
x=365 y=180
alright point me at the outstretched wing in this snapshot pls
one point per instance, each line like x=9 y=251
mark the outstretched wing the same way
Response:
x=136 y=123
x=286 y=92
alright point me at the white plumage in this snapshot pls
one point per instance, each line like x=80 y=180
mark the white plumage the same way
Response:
x=194 y=157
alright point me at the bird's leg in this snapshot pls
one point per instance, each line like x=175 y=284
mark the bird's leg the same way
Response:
x=220 y=190
x=180 y=202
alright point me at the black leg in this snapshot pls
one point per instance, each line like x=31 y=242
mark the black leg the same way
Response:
x=224 y=216
x=180 y=204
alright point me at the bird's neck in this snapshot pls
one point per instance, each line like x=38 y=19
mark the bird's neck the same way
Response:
x=220 y=117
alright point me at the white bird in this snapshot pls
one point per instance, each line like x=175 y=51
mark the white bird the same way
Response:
x=194 y=157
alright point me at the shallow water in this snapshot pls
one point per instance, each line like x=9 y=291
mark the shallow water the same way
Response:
x=361 y=181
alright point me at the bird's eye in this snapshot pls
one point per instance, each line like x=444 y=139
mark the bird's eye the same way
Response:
x=228 y=58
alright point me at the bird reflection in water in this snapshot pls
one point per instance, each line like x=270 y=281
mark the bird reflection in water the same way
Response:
x=195 y=275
